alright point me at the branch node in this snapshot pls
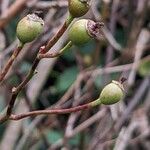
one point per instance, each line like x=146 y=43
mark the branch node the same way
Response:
x=14 y=90
x=42 y=50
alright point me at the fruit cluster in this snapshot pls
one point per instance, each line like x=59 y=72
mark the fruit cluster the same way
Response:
x=80 y=33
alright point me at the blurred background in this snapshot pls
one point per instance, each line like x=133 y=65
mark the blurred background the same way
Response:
x=77 y=77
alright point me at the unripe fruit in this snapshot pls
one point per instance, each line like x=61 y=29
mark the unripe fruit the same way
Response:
x=112 y=93
x=29 y=28
x=78 y=8
x=82 y=31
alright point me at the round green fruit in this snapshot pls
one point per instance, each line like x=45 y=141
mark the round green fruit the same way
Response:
x=112 y=93
x=83 y=31
x=78 y=8
x=29 y=28
x=78 y=32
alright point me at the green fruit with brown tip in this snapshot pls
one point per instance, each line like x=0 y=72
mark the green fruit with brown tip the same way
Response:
x=111 y=93
x=29 y=28
x=78 y=33
x=83 y=31
x=78 y=8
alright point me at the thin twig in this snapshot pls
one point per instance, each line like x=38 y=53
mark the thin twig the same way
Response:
x=143 y=39
x=57 y=53
x=134 y=101
x=10 y=62
x=84 y=125
x=31 y=72
x=55 y=38
x=48 y=5
x=52 y=111
x=112 y=26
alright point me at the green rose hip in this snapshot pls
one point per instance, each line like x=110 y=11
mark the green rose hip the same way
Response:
x=112 y=93
x=78 y=8
x=29 y=28
x=83 y=31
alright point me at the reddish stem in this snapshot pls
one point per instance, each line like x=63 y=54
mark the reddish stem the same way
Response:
x=55 y=38
x=17 y=90
x=9 y=63
x=53 y=111
x=56 y=53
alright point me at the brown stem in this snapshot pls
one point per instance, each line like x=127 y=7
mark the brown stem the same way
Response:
x=50 y=55
x=56 y=37
x=57 y=53
x=28 y=76
x=3 y=118
x=10 y=62
x=51 y=42
x=52 y=111
x=17 y=90
x=11 y=104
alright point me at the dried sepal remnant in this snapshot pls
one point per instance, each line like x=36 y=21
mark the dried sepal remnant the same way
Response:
x=29 y=28
x=35 y=17
x=94 y=28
